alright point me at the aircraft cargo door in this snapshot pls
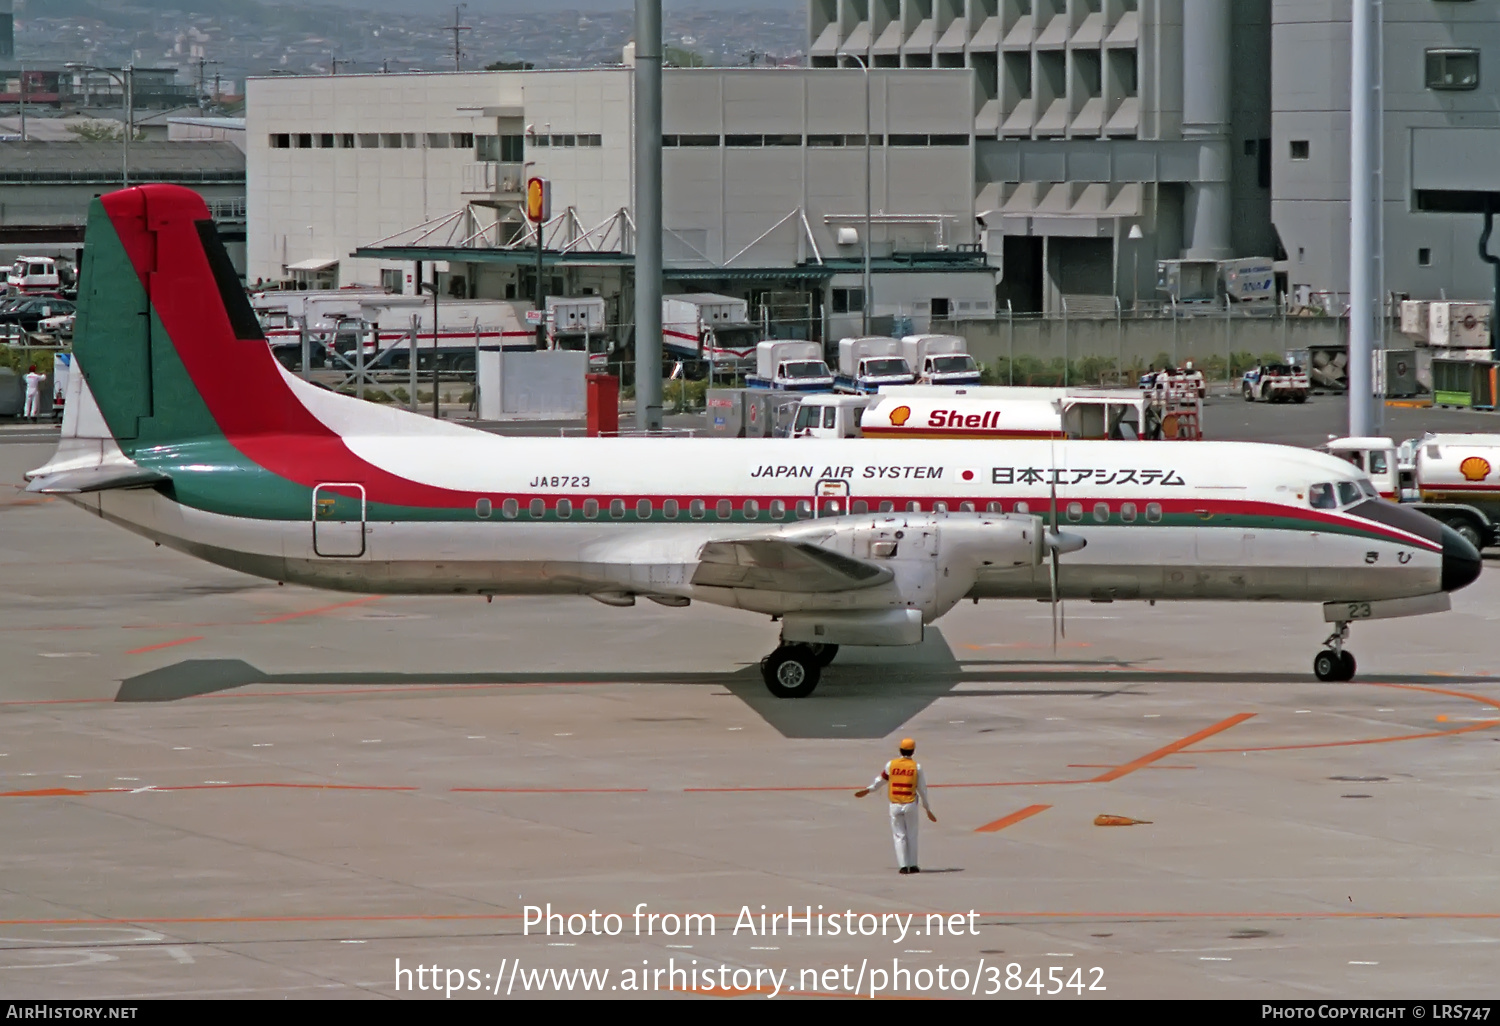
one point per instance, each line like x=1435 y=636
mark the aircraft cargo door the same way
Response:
x=338 y=520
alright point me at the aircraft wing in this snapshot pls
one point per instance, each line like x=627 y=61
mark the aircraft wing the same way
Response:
x=774 y=564
x=96 y=479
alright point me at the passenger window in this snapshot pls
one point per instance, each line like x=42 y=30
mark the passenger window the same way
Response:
x=860 y=506
x=1378 y=463
x=1101 y=512
x=994 y=507
x=669 y=509
x=967 y=507
x=564 y=507
x=1153 y=512
x=1127 y=512
x=804 y=509
x=510 y=508
x=724 y=508
x=643 y=509
x=1023 y=507
x=1320 y=496
x=1075 y=511
x=913 y=507
x=940 y=507
x=482 y=509
x=778 y=509
x=752 y=509
x=696 y=509
x=538 y=509
x=617 y=508
x=591 y=508
x=829 y=414
x=1348 y=492
x=887 y=506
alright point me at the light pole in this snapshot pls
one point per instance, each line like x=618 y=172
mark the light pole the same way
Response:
x=1136 y=235
x=432 y=286
x=126 y=78
x=864 y=304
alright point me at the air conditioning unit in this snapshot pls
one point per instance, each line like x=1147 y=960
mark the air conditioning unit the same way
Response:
x=510 y=184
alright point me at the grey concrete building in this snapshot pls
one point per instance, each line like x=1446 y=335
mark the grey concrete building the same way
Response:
x=1092 y=117
x=1441 y=132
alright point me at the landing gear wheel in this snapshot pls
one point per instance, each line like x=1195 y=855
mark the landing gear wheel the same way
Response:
x=824 y=654
x=1348 y=666
x=1328 y=665
x=791 y=671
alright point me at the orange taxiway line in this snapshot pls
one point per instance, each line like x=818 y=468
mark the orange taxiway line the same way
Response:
x=1013 y=818
x=1106 y=765
x=164 y=644
x=549 y=790
x=68 y=792
x=1174 y=747
x=320 y=610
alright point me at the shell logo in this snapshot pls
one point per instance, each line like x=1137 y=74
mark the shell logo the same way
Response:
x=901 y=414
x=1474 y=468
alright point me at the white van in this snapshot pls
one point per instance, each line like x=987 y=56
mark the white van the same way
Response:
x=34 y=274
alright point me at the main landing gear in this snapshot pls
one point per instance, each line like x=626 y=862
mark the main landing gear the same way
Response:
x=793 y=670
x=1334 y=663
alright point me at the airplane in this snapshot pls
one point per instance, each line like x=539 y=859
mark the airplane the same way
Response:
x=183 y=428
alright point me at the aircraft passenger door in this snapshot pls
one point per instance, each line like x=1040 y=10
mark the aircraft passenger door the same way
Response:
x=338 y=520
x=831 y=498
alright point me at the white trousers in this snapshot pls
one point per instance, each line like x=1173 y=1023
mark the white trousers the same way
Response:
x=904 y=819
x=33 y=400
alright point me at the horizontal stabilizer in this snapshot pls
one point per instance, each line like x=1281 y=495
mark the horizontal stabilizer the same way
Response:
x=96 y=479
x=772 y=564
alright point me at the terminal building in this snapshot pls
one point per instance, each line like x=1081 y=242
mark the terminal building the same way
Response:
x=1024 y=156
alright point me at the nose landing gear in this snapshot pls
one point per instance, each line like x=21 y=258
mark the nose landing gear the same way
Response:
x=1334 y=663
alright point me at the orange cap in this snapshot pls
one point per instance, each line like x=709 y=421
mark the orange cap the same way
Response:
x=908 y=745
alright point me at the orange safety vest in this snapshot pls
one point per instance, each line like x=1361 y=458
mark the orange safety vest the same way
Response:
x=902 y=775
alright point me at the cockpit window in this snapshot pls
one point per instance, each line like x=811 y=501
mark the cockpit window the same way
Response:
x=1348 y=493
x=1320 y=496
x=1369 y=488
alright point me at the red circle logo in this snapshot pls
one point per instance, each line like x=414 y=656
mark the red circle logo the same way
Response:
x=968 y=475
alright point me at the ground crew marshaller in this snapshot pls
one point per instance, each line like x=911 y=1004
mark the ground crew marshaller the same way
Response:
x=907 y=784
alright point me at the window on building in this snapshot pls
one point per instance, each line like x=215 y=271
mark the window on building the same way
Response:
x=304 y=140
x=437 y=140
x=825 y=140
x=1301 y=149
x=368 y=140
x=859 y=140
x=668 y=140
x=281 y=141
x=898 y=139
x=1424 y=257
x=1263 y=164
x=948 y=140
x=390 y=140
x=486 y=147
x=564 y=140
x=325 y=140
x=409 y=139
x=462 y=140
x=783 y=140
x=1249 y=147
x=346 y=140
x=848 y=300
x=744 y=140
x=391 y=279
x=1453 y=69
x=697 y=140
x=512 y=148
x=591 y=140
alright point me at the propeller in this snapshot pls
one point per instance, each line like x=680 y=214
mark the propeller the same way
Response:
x=1057 y=544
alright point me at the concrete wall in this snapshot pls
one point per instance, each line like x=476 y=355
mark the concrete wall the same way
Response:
x=1310 y=99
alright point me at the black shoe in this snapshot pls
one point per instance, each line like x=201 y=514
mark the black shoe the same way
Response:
x=903 y=870
x=913 y=869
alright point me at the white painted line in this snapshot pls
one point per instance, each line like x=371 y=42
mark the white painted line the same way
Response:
x=476 y=737
x=370 y=741
x=263 y=744
x=736 y=728
x=754 y=948
x=568 y=734
x=955 y=721
x=182 y=748
x=917 y=951
x=684 y=947
x=1385 y=710
x=216 y=781
x=1210 y=958
x=140 y=790
x=561 y=944
x=1364 y=963
x=72 y=776
x=1054 y=717
x=127 y=778
x=838 y=724
x=1153 y=716
x=1304 y=710
x=1059 y=954
x=28 y=774
x=68 y=655
x=352 y=942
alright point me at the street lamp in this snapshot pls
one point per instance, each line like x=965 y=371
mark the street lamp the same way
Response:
x=127 y=86
x=1136 y=235
x=431 y=286
x=865 y=299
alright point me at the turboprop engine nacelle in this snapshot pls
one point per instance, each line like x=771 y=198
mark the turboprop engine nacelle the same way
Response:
x=933 y=561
